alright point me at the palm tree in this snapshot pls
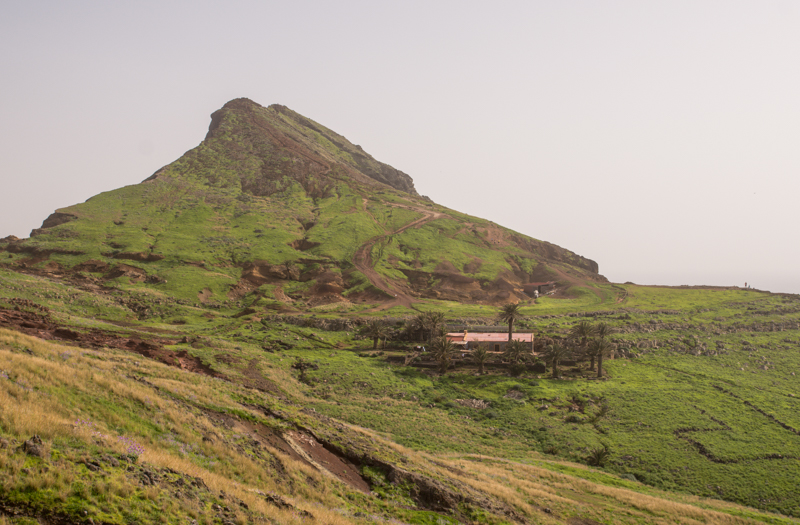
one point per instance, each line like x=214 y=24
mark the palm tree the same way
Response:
x=600 y=347
x=555 y=353
x=432 y=320
x=515 y=351
x=583 y=331
x=375 y=330
x=603 y=330
x=417 y=325
x=422 y=323
x=443 y=351
x=509 y=313
x=440 y=331
x=480 y=356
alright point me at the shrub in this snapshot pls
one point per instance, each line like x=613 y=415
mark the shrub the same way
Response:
x=598 y=456
x=551 y=449
x=516 y=369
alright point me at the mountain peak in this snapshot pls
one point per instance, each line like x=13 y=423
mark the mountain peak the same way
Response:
x=283 y=142
x=295 y=205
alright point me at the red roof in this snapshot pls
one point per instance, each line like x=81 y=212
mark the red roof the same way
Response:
x=488 y=337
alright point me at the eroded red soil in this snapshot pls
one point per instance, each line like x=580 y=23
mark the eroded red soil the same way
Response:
x=298 y=445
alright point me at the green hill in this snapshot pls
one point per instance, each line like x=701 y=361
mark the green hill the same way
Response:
x=274 y=204
x=193 y=349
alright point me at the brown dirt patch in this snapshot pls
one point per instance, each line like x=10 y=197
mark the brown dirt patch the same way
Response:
x=325 y=460
x=325 y=299
x=474 y=266
x=91 y=266
x=241 y=288
x=227 y=359
x=125 y=270
x=253 y=378
x=135 y=256
x=299 y=446
x=281 y=296
x=494 y=236
x=303 y=245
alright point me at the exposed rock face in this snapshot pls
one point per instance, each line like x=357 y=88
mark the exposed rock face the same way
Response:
x=135 y=256
x=56 y=219
x=362 y=160
x=33 y=447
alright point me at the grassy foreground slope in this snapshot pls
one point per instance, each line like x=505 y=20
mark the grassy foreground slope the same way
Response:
x=701 y=399
x=124 y=439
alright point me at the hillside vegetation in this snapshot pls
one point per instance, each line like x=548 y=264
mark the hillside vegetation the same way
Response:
x=703 y=404
x=236 y=340
x=274 y=204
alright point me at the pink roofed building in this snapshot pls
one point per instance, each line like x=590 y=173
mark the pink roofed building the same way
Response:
x=495 y=341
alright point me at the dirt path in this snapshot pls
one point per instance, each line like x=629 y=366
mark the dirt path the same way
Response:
x=362 y=259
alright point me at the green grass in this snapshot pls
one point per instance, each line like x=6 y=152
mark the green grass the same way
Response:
x=707 y=404
x=664 y=407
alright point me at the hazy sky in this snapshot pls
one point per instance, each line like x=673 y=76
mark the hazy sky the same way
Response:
x=661 y=139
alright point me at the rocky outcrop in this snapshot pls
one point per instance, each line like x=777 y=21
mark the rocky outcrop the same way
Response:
x=555 y=253
x=57 y=219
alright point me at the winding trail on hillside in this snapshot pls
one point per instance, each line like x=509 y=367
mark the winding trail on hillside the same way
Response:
x=362 y=259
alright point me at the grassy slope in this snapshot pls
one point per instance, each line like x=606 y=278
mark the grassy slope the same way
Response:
x=131 y=418
x=263 y=179
x=707 y=407
x=665 y=407
x=226 y=228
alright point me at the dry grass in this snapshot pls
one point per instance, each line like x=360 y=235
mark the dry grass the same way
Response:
x=509 y=480
x=46 y=392
x=29 y=409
